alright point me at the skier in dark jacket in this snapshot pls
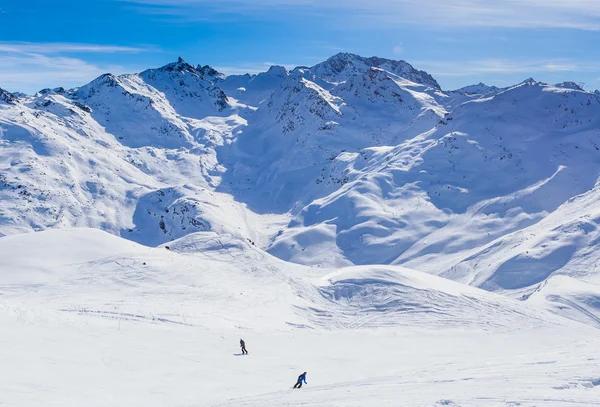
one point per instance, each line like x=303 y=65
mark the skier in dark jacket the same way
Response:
x=301 y=378
x=243 y=346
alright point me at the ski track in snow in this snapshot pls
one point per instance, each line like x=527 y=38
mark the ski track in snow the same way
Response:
x=157 y=327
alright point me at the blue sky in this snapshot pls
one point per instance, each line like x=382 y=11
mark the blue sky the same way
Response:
x=500 y=42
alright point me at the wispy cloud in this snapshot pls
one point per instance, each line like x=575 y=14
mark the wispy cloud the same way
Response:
x=62 y=47
x=27 y=67
x=503 y=66
x=576 y=14
x=29 y=73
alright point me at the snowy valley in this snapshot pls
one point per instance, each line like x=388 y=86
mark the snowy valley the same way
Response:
x=404 y=244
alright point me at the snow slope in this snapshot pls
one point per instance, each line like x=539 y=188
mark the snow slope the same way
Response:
x=254 y=89
x=354 y=161
x=422 y=204
x=96 y=156
x=90 y=318
x=569 y=297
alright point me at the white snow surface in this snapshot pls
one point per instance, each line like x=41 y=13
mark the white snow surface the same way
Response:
x=91 y=319
x=402 y=243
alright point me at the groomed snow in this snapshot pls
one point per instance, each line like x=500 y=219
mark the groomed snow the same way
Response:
x=96 y=320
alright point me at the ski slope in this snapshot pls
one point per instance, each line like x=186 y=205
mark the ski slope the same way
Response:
x=90 y=318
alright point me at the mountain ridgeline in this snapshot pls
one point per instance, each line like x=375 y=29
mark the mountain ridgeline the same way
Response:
x=353 y=161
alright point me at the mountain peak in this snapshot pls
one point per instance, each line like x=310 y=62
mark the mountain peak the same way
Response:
x=7 y=97
x=338 y=63
x=210 y=73
x=180 y=66
x=277 y=70
x=344 y=65
x=344 y=56
x=47 y=91
x=529 y=81
x=569 y=85
x=182 y=83
x=478 y=89
x=106 y=79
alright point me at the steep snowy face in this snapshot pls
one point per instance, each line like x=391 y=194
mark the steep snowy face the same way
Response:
x=300 y=99
x=423 y=204
x=344 y=66
x=504 y=134
x=188 y=90
x=254 y=89
x=211 y=74
x=135 y=112
x=276 y=159
x=89 y=157
x=7 y=97
x=171 y=213
x=562 y=243
x=60 y=168
x=380 y=93
x=288 y=151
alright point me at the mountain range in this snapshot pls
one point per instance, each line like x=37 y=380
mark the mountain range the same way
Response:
x=353 y=161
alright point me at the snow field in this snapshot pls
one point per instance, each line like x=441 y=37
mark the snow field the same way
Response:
x=160 y=327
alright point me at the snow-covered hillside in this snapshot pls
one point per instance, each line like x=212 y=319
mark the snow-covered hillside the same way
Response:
x=91 y=318
x=354 y=161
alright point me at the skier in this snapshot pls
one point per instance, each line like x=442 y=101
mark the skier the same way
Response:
x=243 y=346
x=301 y=378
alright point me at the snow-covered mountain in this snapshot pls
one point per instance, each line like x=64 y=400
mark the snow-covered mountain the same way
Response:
x=344 y=66
x=254 y=89
x=354 y=161
x=480 y=89
x=190 y=91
